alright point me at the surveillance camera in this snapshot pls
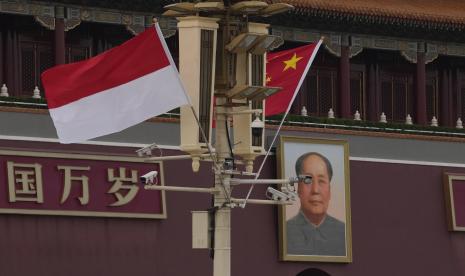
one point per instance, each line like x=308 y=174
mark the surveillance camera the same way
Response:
x=149 y=178
x=228 y=164
x=306 y=179
x=290 y=191
x=274 y=194
x=292 y=196
x=257 y=127
x=146 y=151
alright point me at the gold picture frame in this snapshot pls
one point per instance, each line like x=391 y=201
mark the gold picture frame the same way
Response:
x=451 y=196
x=330 y=240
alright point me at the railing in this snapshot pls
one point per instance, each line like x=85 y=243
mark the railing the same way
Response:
x=356 y=124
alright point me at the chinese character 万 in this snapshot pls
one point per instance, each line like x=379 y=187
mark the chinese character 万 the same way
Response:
x=84 y=180
x=25 y=182
x=118 y=186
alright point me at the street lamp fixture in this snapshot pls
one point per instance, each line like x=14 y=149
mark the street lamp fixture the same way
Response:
x=251 y=92
x=209 y=6
x=254 y=43
x=191 y=8
x=265 y=43
x=243 y=42
x=243 y=7
x=182 y=7
x=171 y=13
x=243 y=91
x=276 y=8
x=264 y=92
x=248 y=7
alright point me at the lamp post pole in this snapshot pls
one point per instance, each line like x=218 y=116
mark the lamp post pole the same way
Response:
x=222 y=229
x=206 y=27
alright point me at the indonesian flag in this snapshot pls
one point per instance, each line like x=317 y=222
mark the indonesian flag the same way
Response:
x=114 y=90
x=287 y=69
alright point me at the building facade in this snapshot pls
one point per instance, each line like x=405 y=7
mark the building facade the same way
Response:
x=396 y=57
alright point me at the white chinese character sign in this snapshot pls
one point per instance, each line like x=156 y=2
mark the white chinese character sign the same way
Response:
x=78 y=184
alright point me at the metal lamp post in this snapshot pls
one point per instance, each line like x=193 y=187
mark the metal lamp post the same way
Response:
x=217 y=49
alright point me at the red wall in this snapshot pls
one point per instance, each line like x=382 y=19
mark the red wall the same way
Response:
x=398 y=228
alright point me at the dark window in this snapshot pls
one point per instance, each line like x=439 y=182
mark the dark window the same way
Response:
x=432 y=96
x=257 y=70
x=257 y=79
x=206 y=59
x=357 y=95
x=396 y=96
x=77 y=53
x=462 y=99
x=460 y=95
x=318 y=92
x=35 y=57
x=2 y=60
x=326 y=91
x=311 y=95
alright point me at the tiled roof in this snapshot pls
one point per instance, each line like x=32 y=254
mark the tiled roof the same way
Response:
x=439 y=11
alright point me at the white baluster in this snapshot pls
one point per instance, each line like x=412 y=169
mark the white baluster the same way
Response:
x=4 y=91
x=36 y=93
x=357 y=116
x=408 y=120
x=331 y=114
x=303 y=112
x=459 y=123
x=382 y=118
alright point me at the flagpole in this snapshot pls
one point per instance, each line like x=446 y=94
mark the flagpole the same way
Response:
x=309 y=63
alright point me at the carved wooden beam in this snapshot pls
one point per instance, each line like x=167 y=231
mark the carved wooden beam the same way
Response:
x=358 y=42
x=44 y=14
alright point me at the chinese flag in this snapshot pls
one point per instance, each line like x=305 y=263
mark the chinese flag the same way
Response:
x=287 y=69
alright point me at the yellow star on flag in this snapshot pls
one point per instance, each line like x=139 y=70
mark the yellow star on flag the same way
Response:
x=268 y=79
x=292 y=63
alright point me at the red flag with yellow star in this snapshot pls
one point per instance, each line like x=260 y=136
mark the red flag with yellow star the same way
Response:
x=287 y=69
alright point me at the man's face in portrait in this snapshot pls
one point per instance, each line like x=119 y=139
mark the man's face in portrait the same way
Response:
x=314 y=197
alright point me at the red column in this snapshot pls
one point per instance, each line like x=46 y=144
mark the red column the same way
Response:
x=444 y=99
x=59 y=35
x=344 y=83
x=12 y=63
x=372 y=94
x=1 y=60
x=421 y=88
x=149 y=21
x=455 y=80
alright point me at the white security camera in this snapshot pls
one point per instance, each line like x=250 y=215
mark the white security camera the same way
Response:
x=149 y=178
x=257 y=127
x=290 y=191
x=306 y=179
x=292 y=196
x=274 y=194
x=146 y=151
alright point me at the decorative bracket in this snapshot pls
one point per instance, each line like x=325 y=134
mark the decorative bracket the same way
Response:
x=46 y=21
x=334 y=43
x=44 y=15
x=411 y=49
x=73 y=20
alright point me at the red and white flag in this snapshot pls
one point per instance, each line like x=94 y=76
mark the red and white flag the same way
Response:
x=114 y=90
x=287 y=69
